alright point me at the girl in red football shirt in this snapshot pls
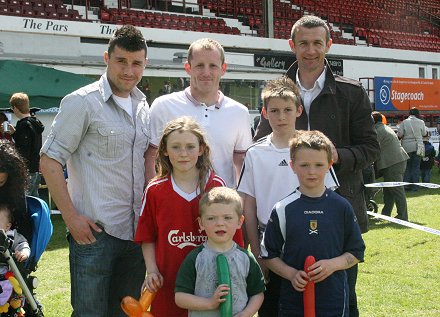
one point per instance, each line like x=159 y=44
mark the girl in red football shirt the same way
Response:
x=168 y=227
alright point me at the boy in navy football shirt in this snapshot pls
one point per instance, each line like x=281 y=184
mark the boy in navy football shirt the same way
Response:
x=313 y=220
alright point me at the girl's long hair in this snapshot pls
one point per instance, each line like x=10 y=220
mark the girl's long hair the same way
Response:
x=203 y=164
x=14 y=165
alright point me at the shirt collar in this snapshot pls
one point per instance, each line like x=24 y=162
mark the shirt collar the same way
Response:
x=217 y=105
x=106 y=90
x=319 y=83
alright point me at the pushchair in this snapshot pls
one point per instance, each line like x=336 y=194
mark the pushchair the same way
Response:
x=42 y=231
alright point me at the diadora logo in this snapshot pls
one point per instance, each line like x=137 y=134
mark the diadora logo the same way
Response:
x=283 y=163
x=182 y=239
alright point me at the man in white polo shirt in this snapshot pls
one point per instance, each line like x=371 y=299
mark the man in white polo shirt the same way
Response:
x=225 y=121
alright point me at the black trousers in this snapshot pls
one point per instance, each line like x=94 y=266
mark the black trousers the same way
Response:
x=269 y=308
x=352 y=274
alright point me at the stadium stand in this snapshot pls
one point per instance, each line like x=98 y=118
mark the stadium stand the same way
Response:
x=399 y=24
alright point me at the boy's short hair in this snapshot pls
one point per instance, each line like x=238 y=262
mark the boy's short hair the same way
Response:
x=314 y=140
x=206 y=44
x=221 y=195
x=4 y=208
x=20 y=101
x=283 y=88
x=128 y=38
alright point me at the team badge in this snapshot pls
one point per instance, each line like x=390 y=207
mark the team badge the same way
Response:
x=313 y=227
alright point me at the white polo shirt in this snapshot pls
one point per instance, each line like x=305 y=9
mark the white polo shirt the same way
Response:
x=226 y=125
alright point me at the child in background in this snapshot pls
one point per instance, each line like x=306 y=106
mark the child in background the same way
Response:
x=3 y=134
x=21 y=251
x=20 y=246
x=313 y=220
x=168 y=228
x=266 y=176
x=427 y=162
x=197 y=286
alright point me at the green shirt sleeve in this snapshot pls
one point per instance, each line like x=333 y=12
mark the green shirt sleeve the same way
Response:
x=255 y=279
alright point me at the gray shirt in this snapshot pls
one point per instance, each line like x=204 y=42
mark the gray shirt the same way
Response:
x=19 y=243
x=411 y=130
x=391 y=152
x=198 y=275
x=103 y=148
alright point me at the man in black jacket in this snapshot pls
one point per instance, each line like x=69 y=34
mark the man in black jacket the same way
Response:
x=28 y=139
x=340 y=108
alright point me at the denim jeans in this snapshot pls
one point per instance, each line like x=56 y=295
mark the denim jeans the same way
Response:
x=34 y=182
x=102 y=273
x=426 y=175
x=412 y=172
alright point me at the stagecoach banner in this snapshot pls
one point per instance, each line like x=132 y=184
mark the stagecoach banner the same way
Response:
x=392 y=93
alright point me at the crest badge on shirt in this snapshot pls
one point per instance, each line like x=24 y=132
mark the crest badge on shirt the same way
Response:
x=313 y=227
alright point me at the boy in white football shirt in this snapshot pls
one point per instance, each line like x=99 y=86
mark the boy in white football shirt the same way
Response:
x=266 y=177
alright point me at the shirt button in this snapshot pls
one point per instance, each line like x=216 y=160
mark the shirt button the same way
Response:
x=112 y=131
x=206 y=116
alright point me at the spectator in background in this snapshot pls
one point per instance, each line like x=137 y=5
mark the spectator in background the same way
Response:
x=180 y=83
x=427 y=161
x=438 y=126
x=147 y=91
x=391 y=164
x=3 y=134
x=166 y=88
x=411 y=132
x=27 y=135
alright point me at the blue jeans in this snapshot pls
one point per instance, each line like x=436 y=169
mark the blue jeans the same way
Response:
x=102 y=273
x=34 y=182
x=426 y=175
x=412 y=172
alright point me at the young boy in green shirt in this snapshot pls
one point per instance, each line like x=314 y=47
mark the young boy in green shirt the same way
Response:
x=197 y=286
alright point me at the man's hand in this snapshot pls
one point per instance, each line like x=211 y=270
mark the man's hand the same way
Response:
x=80 y=228
x=335 y=155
